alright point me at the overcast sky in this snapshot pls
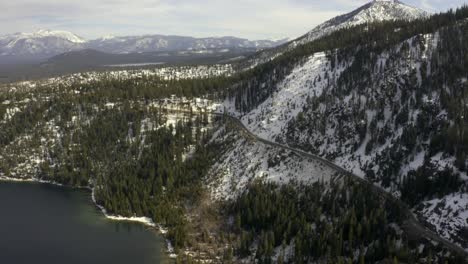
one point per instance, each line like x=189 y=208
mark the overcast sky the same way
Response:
x=253 y=19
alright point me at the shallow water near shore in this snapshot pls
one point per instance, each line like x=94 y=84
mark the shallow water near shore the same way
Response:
x=41 y=223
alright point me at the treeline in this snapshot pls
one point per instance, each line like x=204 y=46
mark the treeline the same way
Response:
x=152 y=87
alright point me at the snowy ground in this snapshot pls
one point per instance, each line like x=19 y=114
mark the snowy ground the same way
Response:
x=308 y=80
x=449 y=215
x=246 y=161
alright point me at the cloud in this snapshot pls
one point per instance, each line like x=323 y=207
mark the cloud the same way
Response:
x=253 y=19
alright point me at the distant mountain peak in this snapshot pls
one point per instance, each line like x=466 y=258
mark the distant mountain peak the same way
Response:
x=373 y=11
x=56 y=33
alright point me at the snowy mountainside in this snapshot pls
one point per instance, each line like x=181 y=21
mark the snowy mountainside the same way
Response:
x=308 y=80
x=384 y=116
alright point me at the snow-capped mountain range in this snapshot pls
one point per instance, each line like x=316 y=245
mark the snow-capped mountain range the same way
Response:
x=171 y=43
x=48 y=43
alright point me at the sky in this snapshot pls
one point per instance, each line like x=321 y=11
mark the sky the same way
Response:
x=252 y=19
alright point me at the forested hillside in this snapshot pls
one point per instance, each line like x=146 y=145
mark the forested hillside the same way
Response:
x=337 y=224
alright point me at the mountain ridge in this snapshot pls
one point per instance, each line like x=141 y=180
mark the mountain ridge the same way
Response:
x=374 y=11
x=48 y=43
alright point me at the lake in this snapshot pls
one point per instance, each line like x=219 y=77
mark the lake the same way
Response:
x=41 y=223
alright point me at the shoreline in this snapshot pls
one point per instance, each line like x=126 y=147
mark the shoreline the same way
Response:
x=146 y=221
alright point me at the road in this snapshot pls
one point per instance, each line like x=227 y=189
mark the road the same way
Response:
x=411 y=222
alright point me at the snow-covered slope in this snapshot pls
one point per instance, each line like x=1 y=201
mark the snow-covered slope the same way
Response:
x=301 y=93
x=306 y=81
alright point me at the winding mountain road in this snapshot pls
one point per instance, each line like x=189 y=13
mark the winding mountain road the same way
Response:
x=411 y=223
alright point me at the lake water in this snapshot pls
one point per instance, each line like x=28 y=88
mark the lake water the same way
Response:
x=41 y=223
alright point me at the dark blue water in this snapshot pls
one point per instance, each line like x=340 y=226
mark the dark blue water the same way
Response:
x=47 y=224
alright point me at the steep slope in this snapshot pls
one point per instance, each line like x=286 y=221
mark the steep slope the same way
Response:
x=393 y=113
